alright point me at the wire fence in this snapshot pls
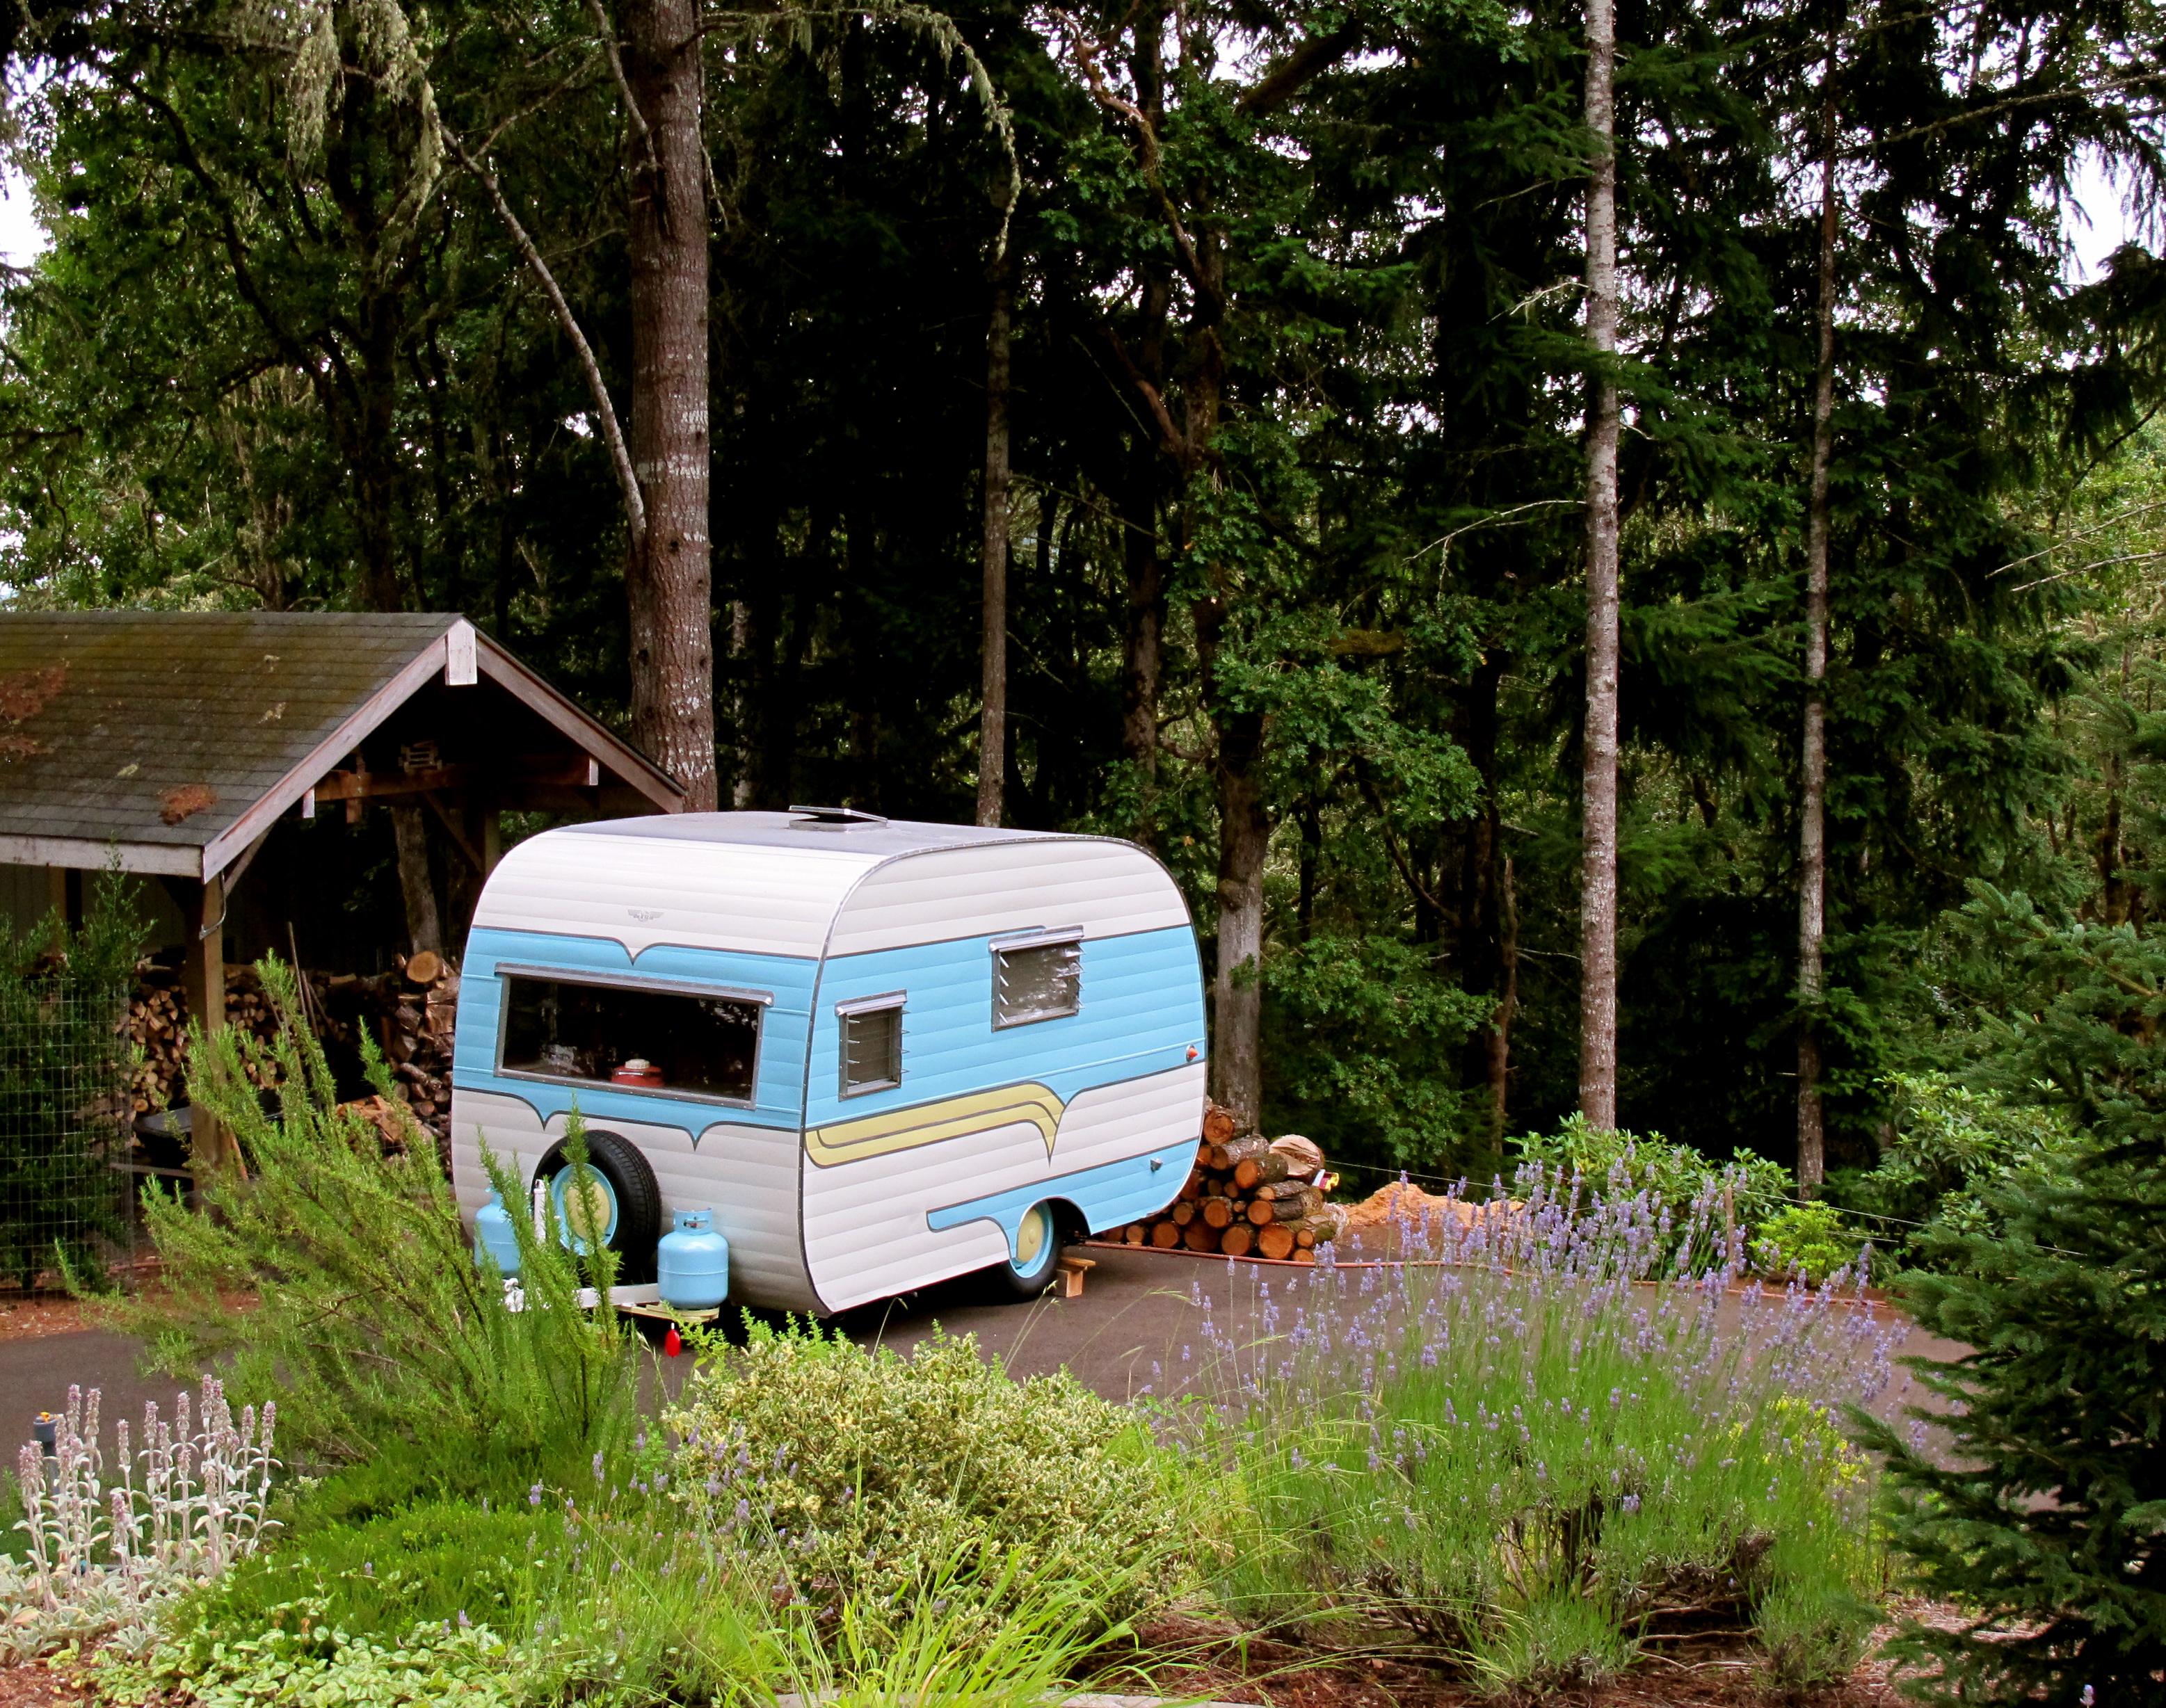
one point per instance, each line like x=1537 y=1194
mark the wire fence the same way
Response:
x=65 y=1104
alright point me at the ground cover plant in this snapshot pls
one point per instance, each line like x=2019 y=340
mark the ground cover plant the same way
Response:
x=1537 y=1464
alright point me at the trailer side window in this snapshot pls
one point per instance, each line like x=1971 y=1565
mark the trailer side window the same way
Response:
x=872 y=1044
x=1038 y=978
x=679 y=1043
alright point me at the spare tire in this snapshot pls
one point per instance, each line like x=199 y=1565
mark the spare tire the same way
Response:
x=618 y=1207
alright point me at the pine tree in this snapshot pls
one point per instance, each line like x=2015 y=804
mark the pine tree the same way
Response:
x=2045 y=1514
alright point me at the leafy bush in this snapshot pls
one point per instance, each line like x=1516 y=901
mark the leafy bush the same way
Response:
x=864 y=1476
x=1807 y=1242
x=1952 y=1142
x=1730 y=1196
x=1536 y=1462
x=374 y=1325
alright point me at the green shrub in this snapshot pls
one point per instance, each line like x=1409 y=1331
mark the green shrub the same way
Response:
x=375 y=1326
x=864 y=1476
x=1807 y=1242
x=1951 y=1144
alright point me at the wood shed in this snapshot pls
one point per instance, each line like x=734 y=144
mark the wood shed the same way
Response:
x=333 y=786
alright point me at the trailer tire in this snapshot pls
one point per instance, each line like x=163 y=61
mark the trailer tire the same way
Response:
x=636 y=1201
x=1035 y=1253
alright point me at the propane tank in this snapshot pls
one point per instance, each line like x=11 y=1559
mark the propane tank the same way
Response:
x=693 y=1263
x=494 y=1236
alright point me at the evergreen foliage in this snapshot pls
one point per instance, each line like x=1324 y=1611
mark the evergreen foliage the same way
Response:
x=373 y=1325
x=275 y=356
x=2045 y=1512
x=64 y=1066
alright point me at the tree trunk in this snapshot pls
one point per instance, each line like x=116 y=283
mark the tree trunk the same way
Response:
x=667 y=580
x=1507 y=1003
x=409 y=835
x=1598 y=902
x=993 y=726
x=1812 y=837
x=1237 y=995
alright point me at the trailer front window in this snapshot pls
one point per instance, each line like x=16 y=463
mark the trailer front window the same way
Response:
x=679 y=1043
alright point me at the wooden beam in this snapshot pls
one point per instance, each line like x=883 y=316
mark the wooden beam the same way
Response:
x=453 y=829
x=175 y=859
x=625 y=761
x=202 y=981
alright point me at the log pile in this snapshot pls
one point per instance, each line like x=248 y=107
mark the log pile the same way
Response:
x=409 y=1013
x=1247 y=1197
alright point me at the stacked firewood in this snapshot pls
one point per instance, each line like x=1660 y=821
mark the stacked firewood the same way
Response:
x=158 y=1026
x=409 y=1013
x=1247 y=1196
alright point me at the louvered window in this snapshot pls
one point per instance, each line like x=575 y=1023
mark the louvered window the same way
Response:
x=872 y=1044
x=1039 y=977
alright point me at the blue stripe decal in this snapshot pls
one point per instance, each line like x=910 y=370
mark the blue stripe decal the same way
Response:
x=1109 y=1195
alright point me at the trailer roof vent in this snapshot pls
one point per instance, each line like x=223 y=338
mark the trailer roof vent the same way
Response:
x=836 y=819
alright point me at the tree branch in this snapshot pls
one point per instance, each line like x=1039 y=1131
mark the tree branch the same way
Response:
x=639 y=126
x=1315 y=56
x=635 y=505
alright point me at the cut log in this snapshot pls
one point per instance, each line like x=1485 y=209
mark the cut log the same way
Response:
x=1198 y=1236
x=1260 y=1170
x=1238 y=1241
x=425 y=969
x=1183 y=1214
x=1219 y=1125
x=1165 y=1234
x=1275 y=1242
x=1135 y=1234
x=1193 y=1188
x=1304 y=1257
x=1226 y=1157
x=1264 y=1211
x=1218 y=1212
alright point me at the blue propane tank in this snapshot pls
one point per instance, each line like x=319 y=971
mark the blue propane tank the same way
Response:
x=693 y=1263
x=492 y=1235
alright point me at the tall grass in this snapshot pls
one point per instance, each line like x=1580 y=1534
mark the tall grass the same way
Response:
x=1562 y=1436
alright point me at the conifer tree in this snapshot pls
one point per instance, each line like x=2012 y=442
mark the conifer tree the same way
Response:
x=2045 y=1512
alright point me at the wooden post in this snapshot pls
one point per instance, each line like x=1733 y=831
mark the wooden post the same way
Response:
x=203 y=980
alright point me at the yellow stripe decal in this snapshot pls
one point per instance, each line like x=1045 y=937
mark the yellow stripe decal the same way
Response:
x=928 y=1124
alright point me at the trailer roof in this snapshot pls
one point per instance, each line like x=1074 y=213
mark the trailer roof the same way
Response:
x=172 y=739
x=799 y=831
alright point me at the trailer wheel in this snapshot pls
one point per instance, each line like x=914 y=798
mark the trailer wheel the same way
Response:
x=629 y=1208
x=1035 y=1255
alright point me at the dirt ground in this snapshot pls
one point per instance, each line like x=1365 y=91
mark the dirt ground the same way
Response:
x=1189 y=1658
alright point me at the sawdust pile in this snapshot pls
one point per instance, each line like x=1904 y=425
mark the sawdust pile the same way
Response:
x=1403 y=1204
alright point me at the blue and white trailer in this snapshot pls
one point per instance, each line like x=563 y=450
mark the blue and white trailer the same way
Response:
x=883 y=1053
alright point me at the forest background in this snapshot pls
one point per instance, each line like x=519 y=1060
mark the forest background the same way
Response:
x=1288 y=300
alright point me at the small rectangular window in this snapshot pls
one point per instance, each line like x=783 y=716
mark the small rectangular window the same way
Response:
x=872 y=1044
x=681 y=1043
x=1037 y=978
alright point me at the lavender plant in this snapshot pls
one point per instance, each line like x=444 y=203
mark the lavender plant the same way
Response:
x=105 y=1555
x=1563 y=1436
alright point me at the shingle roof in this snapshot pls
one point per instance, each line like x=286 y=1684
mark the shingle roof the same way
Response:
x=158 y=731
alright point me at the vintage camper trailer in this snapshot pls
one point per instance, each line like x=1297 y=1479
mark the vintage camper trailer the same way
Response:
x=883 y=1053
